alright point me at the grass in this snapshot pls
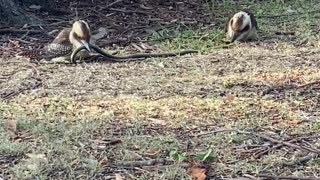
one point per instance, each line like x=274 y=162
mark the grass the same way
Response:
x=298 y=16
x=189 y=39
x=84 y=121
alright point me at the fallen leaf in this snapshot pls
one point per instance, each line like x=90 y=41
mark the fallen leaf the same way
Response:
x=160 y=64
x=158 y=121
x=36 y=156
x=104 y=162
x=14 y=43
x=90 y=161
x=277 y=121
x=32 y=166
x=34 y=160
x=230 y=98
x=145 y=7
x=294 y=122
x=35 y=7
x=53 y=33
x=152 y=152
x=145 y=46
x=25 y=26
x=102 y=32
x=12 y=125
x=137 y=47
x=198 y=172
x=118 y=177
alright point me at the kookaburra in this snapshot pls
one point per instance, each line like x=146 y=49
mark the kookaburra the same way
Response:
x=75 y=42
x=63 y=45
x=242 y=26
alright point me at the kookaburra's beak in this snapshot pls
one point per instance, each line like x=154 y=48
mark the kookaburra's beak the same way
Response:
x=234 y=37
x=86 y=44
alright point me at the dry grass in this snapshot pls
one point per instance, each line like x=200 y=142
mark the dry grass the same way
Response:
x=68 y=116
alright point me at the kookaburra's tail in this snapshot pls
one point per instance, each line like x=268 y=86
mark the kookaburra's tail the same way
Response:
x=242 y=26
x=48 y=52
x=32 y=54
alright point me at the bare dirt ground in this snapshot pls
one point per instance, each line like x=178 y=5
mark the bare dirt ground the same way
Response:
x=255 y=106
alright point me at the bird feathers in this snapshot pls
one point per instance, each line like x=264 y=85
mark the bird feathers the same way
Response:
x=63 y=43
x=242 y=26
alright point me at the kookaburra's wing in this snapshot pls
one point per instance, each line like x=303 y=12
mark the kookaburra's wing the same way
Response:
x=252 y=18
x=60 y=46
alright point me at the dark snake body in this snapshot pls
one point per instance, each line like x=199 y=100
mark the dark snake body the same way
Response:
x=126 y=58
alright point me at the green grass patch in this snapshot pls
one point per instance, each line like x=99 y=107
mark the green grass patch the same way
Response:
x=201 y=41
x=299 y=17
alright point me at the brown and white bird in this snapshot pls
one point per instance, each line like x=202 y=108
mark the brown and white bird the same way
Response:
x=63 y=45
x=242 y=26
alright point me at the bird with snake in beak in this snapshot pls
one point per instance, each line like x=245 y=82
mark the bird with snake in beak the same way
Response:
x=64 y=44
x=242 y=26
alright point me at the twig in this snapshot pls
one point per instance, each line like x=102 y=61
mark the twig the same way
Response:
x=258 y=155
x=142 y=163
x=25 y=35
x=35 y=70
x=263 y=137
x=182 y=165
x=250 y=176
x=11 y=30
x=213 y=132
x=308 y=137
x=142 y=170
x=107 y=143
x=310 y=119
x=7 y=49
x=23 y=41
x=284 y=143
x=287 y=177
x=15 y=93
x=112 y=4
x=302 y=160
x=309 y=84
